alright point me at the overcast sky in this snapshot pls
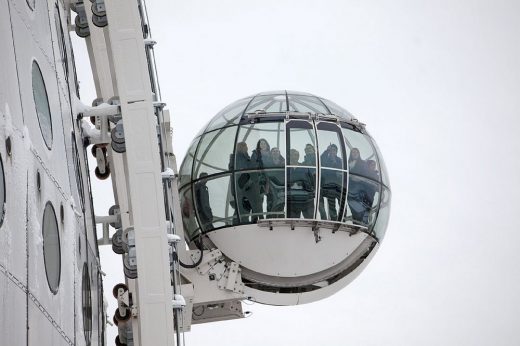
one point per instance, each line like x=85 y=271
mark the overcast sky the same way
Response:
x=438 y=85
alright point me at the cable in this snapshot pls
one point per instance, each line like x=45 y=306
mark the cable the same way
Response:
x=194 y=265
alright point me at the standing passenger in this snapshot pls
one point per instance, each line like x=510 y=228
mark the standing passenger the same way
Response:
x=331 y=182
x=300 y=188
x=276 y=190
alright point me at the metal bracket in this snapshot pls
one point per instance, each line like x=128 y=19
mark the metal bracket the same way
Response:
x=314 y=225
x=118 y=138
x=232 y=279
x=208 y=260
x=81 y=22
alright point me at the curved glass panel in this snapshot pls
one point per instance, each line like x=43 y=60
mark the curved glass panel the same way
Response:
x=362 y=159
x=214 y=152
x=242 y=170
x=215 y=204
x=189 y=220
x=229 y=116
x=2 y=192
x=382 y=166
x=275 y=193
x=86 y=298
x=187 y=164
x=311 y=104
x=266 y=141
x=301 y=144
x=330 y=141
x=51 y=248
x=41 y=103
x=333 y=192
x=301 y=192
x=383 y=216
x=259 y=194
x=337 y=110
x=268 y=103
x=362 y=200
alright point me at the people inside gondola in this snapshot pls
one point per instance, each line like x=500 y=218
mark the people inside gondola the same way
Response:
x=261 y=156
x=248 y=188
x=372 y=170
x=331 y=183
x=276 y=189
x=300 y=188
x=359 y=190
x=356 y=164
x=278 y=159
x=310 y=155
x=203 y=203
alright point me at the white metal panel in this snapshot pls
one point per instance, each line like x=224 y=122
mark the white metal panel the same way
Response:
x=285 y=252
x=274 y=298
x=143 y=168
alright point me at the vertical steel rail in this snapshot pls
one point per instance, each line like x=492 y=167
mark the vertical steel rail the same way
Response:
x=144 y=181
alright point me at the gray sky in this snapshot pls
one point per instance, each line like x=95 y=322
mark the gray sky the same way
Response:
x=438 y=85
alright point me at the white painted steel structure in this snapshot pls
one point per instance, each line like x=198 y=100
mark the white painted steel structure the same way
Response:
x=240 y=248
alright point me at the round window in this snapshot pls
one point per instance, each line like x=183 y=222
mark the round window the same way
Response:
x=87 y=304
x=51 y=247
x=41 y=103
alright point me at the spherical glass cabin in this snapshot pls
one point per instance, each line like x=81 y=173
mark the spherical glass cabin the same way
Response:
x=292 y=188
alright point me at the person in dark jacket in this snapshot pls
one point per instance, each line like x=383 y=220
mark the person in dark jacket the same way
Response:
x=248 y=187
x=331 y=182
x=203 y=203
x=300 y=188
x=276 y=186
x=310 y=156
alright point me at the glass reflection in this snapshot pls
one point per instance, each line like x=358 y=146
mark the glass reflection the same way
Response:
x=189 y=221
x=383 y=216
x=362 y=159
x=301 y=189
x=215 y=204
x=311 y=104
x=229 y=116
x=275 y=201
x=187 y=164
x=362 y=199
x=333 y=190
x=250 y=195
x=213 y=152
x=262 y=139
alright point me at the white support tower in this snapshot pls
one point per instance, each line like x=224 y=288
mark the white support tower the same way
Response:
x=137 y=178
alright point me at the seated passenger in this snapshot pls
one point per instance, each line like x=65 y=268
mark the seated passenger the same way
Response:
x=203 y=204
x=310 y=156
x=331 y=182
x=300 y=188
x=276 y=188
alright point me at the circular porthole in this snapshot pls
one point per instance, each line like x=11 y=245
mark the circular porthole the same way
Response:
x=2 y=192
x=41 y=103
x=87 y=304
x=51 y=247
